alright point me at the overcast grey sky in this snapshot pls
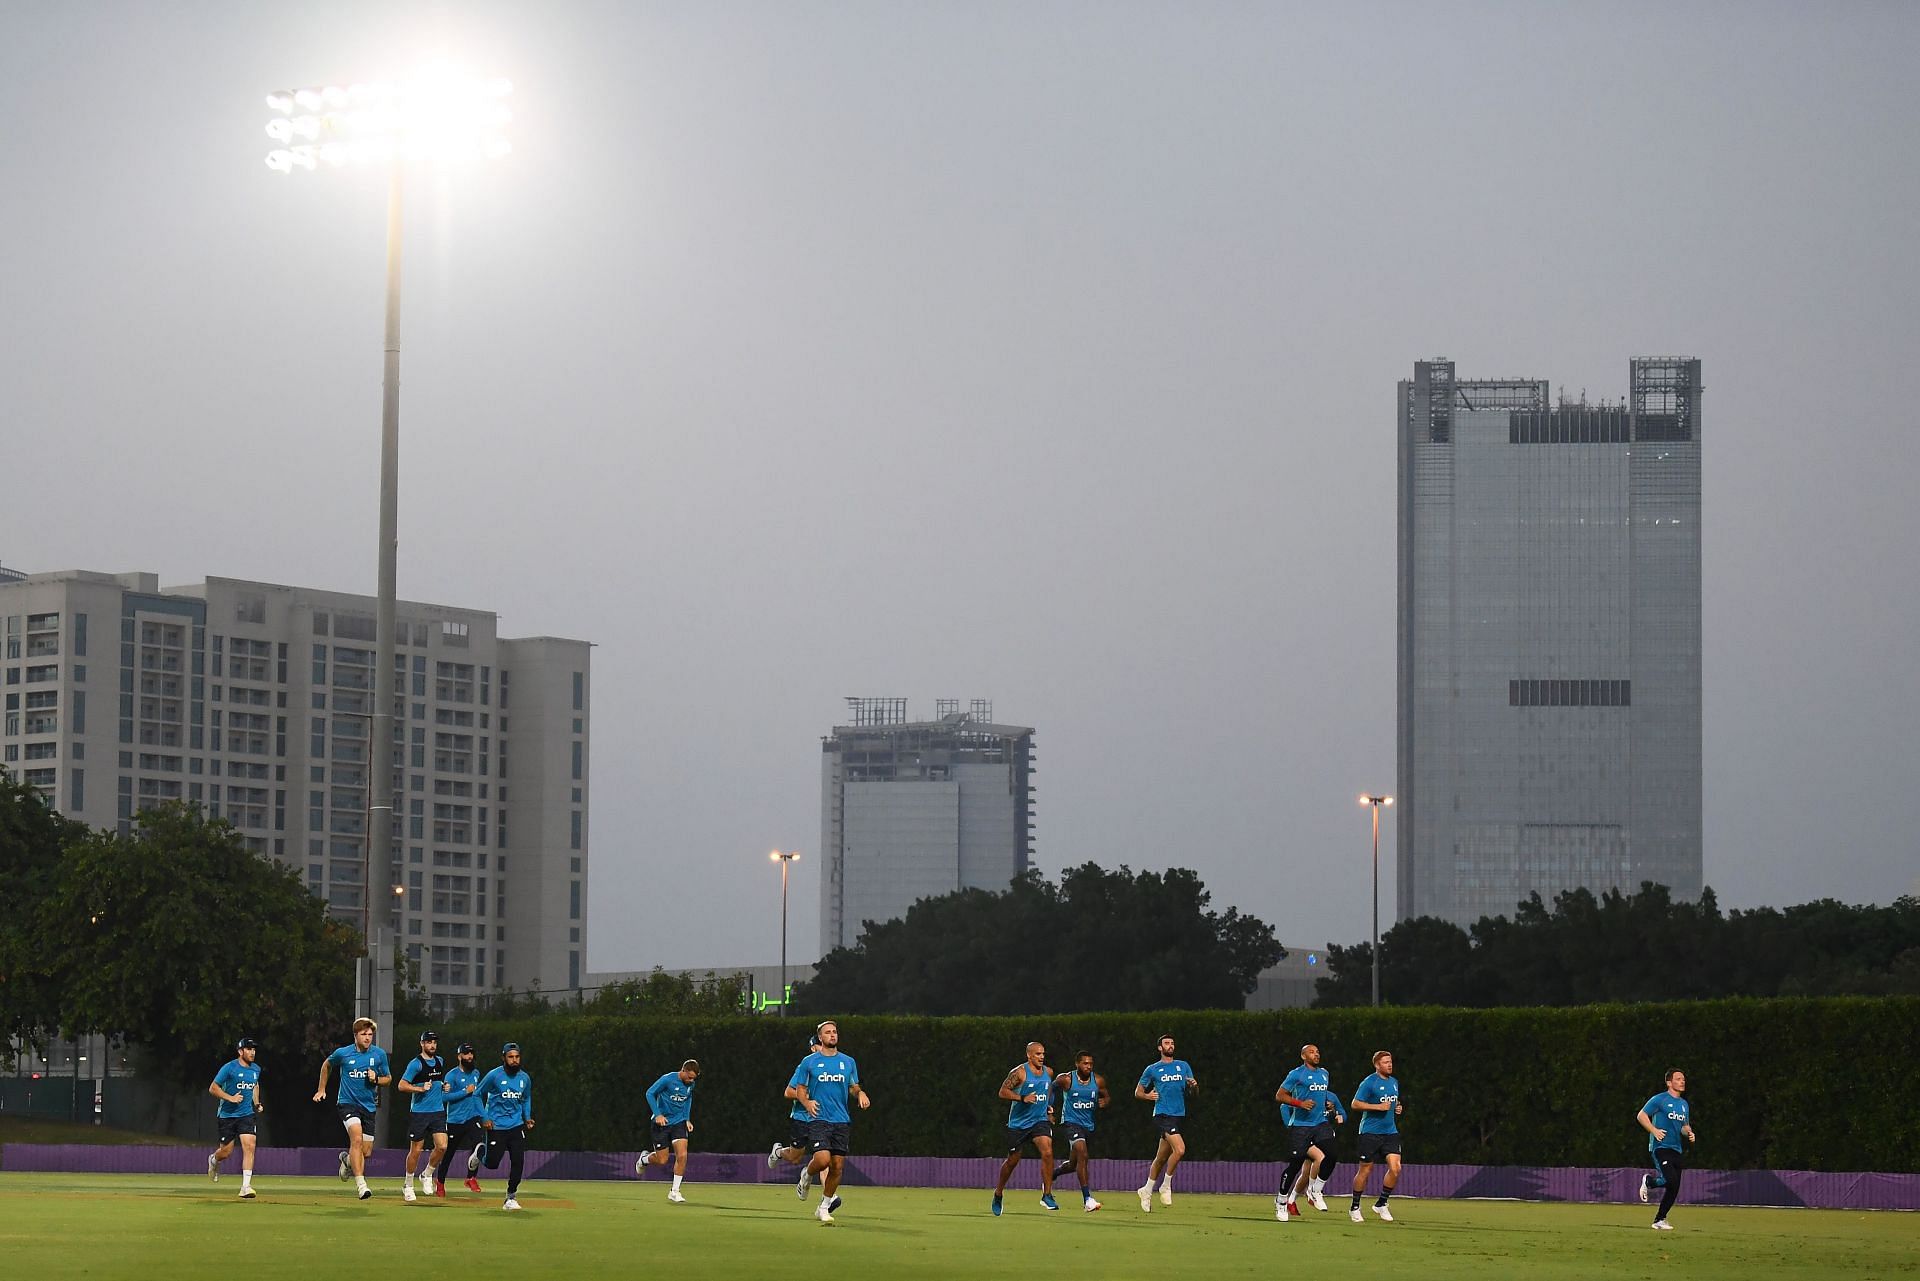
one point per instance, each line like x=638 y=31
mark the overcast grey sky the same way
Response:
x=1037 y=352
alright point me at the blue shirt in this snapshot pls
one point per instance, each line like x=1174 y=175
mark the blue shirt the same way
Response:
x=1668 y=1113
x=1170 y=1079
x=827 y=1077
x=672 y=1098
x=241 y=1079
x=1032 y=1081
x=1378 y=1089
x=507 y=1097
x=1309 y=1084
x=461 y=1106
x=358 y=1074
x=428 y=1072
x=1080 y=1102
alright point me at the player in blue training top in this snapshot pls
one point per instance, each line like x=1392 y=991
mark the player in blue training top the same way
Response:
x=424 y=1081
x=670 y=1100
x=506 y=1100
x=1029 y=1089
x=793 y=1149
x=1667 y=1119
x=1377 y=1100
x=1310 y=1107
x=823 y=1084
x=463 y=1119
x=237 y=1086
x=363 y=1070
x=1166 y=1084
x=1077 y=1095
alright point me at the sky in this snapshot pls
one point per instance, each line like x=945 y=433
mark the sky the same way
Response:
x=1037 y=352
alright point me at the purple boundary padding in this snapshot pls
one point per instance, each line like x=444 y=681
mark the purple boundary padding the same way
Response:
x=1796 y=1188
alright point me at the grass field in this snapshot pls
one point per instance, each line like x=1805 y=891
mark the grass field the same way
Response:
x=164 y=1227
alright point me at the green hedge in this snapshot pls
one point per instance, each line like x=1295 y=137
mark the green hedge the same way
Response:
x=1786 y=1084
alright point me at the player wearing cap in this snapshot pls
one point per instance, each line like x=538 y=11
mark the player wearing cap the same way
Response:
x=363 y=1070
x=793 y=1149
x=1078 y=1095
x=425 y=1080
x=507 y=1095
x=237 y=1086
x=463 y=1120
x=670 y=1100
x=824 y=1082
x=1028 y=1089
x=1165 y=1083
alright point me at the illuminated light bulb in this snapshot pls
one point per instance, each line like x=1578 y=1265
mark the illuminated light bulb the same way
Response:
x=307 y=99
x=304 y=157
x=280 y=161
x=280 y=130
x=281 y=102
x=334 y=96
x=307 y=126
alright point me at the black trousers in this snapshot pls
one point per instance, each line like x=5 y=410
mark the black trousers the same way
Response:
x=511 y=1143
x=467 y=1134
x=1671 y=1165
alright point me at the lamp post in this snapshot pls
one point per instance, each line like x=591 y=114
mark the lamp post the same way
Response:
x=785 y=861
x=437 y=115
x=1376 y=802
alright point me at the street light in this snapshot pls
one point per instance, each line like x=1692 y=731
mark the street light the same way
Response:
x=437 y=115
x=1376 y=802
x=786 y=862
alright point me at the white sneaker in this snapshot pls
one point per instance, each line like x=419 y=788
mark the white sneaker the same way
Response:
x=1166 y=1194
x=1089 y=1205
x=640 y=1166
x=773 y=1157
x=1661 y=1225
x=213 y=1167
x=406 y=1194
x=1280 y=1208
x=473 y=1162
x=1353 y=1213
x=246 y=1194
x=1385 y=1215
x=1146 y=1198
x=1643 y=1189
x=1319 y=1202
x=806 y=1181
x=510 y=1204
x=365 y=1191
x=820 y=1213
x=345 y=1173
x=673 y=1195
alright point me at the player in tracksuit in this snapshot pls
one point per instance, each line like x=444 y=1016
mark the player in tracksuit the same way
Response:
x=506 y=1094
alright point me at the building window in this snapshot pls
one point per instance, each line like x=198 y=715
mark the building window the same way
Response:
x=579 y=760
x=573 y=969
x=573 y=908
x=576 y=831
x=579 y=691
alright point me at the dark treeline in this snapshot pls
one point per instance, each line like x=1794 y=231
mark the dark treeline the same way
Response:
x=1636 y=947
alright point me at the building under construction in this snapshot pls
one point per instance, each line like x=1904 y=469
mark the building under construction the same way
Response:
x=913 y=809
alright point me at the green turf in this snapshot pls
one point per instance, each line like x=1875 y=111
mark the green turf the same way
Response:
x=156 y=1228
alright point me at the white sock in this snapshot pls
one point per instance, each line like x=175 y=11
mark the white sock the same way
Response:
x=676 y=1183
x=1167 y=1182
x=246 y=1178
x=1314 y=1186
x=406 y=1180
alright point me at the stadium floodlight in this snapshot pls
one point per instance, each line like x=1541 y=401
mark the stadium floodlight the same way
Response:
x=785 y=860
x=1376 y=802
x=439 y=115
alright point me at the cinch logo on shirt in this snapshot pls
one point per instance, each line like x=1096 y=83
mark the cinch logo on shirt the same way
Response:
x=830 y=1076
x=508 y=1094
x=1169 y=1077
x=361 y=1074
x=1676 y=1116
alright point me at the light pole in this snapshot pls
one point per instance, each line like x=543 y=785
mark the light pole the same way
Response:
x=785 y=861
x=1376 y=802
x=437 y=115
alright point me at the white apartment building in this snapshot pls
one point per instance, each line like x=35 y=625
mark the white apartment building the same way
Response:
x=254 y=701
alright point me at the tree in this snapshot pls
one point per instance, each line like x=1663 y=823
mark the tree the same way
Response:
x=33 y=838
x=1099 y=940
x=179 y=939
x=664 y=993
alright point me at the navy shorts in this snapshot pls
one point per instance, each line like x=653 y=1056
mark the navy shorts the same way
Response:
x=350 y=1112
x=1323 y=1136
x=1019 y=1136
x=423 y=1125
x=1374 y=1146
x=1169 y=1124
x=662 y=1135
x=799 y=1132
x=1070 y=1134
x=1300 y=1138
x=232 y=1127
x=828 y=1136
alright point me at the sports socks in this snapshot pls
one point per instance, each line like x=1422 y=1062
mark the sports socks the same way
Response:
x=676 y=1183
x=1384 y=1194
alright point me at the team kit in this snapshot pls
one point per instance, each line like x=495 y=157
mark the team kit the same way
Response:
x=458 y=1108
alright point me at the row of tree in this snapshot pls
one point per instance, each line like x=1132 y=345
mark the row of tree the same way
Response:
x=1099 y=939
x=1643 y=946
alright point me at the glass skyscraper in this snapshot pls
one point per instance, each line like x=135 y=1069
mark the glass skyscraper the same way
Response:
x=1549 y=639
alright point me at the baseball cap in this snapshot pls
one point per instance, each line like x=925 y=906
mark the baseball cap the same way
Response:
x=246 y=1043
x=509 y=1046
x=465 y=1047
x=429 y=1036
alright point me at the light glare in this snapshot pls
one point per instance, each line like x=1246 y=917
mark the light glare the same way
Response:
x=440 y=114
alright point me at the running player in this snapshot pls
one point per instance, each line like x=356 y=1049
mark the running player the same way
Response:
x=794 y=1149
x=506 y=1095
x=363 y=1070
x=825 y=1080
x=463 y=1120
x=1378 y=1102
x=425 y=1079
x=1029 y=1088
x=1308 y=1102
x=237 y=1086
x=1166 y=1084
x=670 y=1099
x=1666 y=1118
x=1078 y=1095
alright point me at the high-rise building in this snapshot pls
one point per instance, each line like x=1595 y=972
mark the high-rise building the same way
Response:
x=1549 y=639
x=254 y=700
x=914 y=809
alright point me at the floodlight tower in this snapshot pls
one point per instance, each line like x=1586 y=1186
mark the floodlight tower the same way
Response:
x=438 y=115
